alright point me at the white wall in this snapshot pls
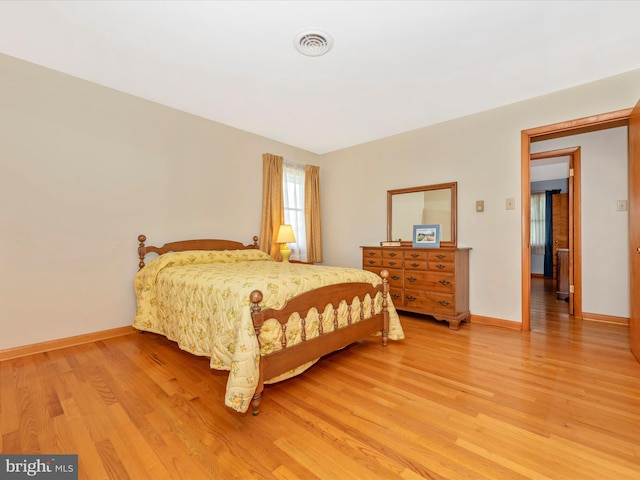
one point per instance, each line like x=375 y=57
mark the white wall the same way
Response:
x=482 y=153
x=83 y=171
x=605 y=234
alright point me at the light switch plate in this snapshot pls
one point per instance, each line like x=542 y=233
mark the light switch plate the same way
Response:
x=622 y=205
x=510 y=203
x=479 y=205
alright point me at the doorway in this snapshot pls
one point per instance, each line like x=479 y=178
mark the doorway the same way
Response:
x=584 y=125
x=566 y=267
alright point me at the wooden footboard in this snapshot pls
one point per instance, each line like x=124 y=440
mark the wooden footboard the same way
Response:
x=290 y=357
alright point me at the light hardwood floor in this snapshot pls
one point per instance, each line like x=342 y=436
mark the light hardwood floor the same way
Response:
x=561 y=402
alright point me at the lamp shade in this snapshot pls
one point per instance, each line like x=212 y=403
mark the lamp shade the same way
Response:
x=285 y=234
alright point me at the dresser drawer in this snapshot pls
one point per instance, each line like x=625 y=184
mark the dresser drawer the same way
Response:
x=368 y=262
x=371 y=253
x=437 y=282
x=396 y=292
x=390 y=253
x=415 y=264
x=395 y=276
x=443 y=256
x=431 y=302
x=441 y=267
x=392 y=262
x=397 y=296
x=416 y=255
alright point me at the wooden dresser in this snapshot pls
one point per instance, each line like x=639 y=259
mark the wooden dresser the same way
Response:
x=431 y=281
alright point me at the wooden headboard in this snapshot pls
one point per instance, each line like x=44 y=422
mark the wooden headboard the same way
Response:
x=182 y=245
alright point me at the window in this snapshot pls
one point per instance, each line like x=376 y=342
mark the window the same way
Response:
x=293 y=197
x=537 y=237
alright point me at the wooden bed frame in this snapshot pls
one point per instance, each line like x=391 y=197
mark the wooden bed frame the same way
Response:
x=182 y=245
x=288 y=358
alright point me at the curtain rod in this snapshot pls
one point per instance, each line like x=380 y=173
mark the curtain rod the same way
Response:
x=298 y=163
x=293 y=163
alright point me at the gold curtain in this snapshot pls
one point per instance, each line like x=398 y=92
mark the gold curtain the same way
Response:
x=272 y=204
x=312 y=213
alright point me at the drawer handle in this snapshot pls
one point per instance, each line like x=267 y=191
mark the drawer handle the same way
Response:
x=440 y=256
x=371 y=254
x=411 y=298
x=395 y=296
x=395 y=277
x=414 y=255
x=392 y=254
x=444 y=303
x=392 y=263
x=440 y=266
x=371 y=262
x=414 y=265
x=412 y=279
x=444 y=282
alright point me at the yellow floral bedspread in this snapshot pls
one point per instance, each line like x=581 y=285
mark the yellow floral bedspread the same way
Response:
x=200 y=299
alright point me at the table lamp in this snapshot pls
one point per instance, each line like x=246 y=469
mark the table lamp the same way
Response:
x=285 y=235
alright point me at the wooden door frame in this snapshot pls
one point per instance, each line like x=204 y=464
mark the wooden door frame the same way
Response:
x=572 y=127
x=575 y=221
x=634 y=229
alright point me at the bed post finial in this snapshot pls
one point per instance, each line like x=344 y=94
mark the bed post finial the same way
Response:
x=142 y=250
x=255 y=241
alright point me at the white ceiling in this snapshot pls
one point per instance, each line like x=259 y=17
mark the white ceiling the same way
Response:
x=549 y=169
x=395 y=66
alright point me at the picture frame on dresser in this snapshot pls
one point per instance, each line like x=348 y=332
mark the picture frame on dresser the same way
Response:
x=426 y=236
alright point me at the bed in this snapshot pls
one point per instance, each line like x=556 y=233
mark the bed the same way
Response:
x=263 y=321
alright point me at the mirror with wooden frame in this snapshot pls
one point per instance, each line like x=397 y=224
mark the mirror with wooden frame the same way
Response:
x=429 y=204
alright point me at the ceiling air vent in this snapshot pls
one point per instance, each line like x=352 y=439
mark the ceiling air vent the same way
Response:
x=313 y=42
